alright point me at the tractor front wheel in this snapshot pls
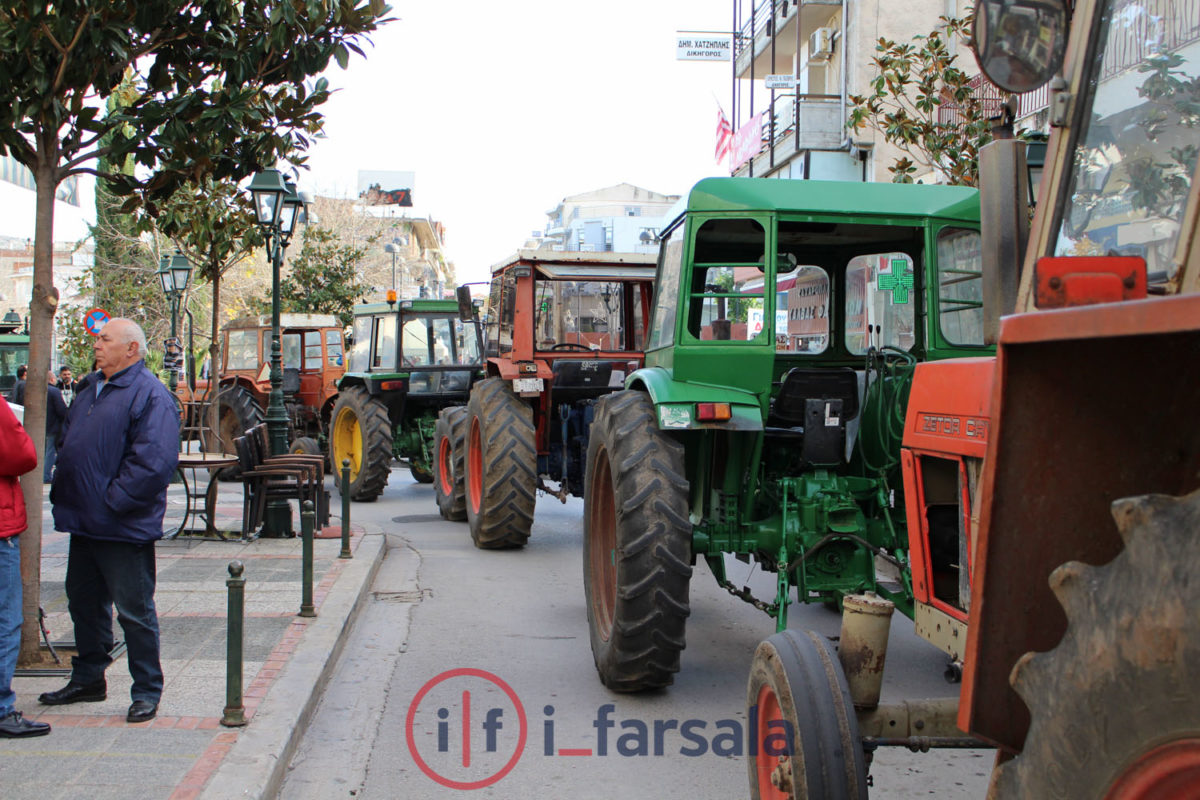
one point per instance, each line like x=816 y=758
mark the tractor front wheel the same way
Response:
x=804 y=740
x=637 y=544
x=1114 y=710
x=448 y=454
x=360 y=430
x=501 y=466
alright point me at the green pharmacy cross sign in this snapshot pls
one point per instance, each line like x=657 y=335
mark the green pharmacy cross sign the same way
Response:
x=898 y=282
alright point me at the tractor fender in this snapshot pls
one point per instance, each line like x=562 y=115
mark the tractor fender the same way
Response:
x=675 y=402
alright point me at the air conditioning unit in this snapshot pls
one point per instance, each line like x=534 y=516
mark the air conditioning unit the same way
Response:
x=820 y=45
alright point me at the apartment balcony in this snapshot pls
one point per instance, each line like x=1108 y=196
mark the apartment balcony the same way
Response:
x=775 y=31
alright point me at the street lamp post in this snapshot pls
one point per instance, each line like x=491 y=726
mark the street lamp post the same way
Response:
x=277 y=206
x=174 y=272
x=393 y=247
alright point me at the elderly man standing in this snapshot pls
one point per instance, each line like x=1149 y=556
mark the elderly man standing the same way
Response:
x=119 y=451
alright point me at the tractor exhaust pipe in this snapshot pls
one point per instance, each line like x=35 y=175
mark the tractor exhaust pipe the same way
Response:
x=862 y=649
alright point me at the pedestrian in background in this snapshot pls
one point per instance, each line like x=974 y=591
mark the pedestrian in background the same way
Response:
x=56 y=416
x=17 y=457
x=119 y=451
x=17 y=395
x=66 y=384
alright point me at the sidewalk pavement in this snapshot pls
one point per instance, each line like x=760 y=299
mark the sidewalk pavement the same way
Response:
x=92 y=753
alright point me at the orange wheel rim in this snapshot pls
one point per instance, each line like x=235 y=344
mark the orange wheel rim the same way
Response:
x=602 y=546
x=1168 y=772
x=769 y=711
x=443 y=467
x=475 y=466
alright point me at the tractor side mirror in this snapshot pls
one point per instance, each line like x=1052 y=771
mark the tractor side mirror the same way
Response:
x=1019 y=44
x=466 y=309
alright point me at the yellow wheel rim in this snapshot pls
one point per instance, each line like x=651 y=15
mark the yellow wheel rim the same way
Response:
x=347 y=442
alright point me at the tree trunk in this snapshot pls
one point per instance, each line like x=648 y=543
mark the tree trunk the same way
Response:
x=42 y=306
x=214 y=358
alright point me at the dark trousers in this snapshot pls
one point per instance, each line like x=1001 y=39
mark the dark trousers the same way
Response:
x=101 y=575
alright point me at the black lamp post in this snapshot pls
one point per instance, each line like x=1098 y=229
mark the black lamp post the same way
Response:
x=277 y=207
x=174 y=272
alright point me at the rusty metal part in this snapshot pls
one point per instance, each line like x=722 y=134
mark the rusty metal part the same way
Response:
x=930 y=718
x=862 y=647
x=781 y=776
x=1114 y=707
x=941 y=630
x=923 y=744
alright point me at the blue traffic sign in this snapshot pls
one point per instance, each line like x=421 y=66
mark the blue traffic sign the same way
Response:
x=94 y=320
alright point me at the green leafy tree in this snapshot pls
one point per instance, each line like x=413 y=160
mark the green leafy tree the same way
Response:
x=220 y=88
x=325 y=276
x=916 y=79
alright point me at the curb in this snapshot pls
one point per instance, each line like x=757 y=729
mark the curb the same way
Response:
x=254 y=766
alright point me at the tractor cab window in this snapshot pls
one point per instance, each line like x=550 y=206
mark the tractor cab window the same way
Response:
x=960 y=286
x=360 y=349
x=880 y=302
x=437 y=341
x=333 y=347
x=289 y=344
x=802 y=310
x=579 y=315
x=670 y=264
x=507 y=310
x=313 y=358
x=726 y=300
x=383 y=350
x=241 y=351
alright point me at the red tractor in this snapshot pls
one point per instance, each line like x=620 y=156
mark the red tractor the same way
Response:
x=562 y=330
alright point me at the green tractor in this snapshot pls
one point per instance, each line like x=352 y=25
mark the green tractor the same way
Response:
x=789 y=319
x=408 y=361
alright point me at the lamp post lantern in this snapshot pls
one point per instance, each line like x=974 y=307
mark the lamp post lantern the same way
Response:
x=174 y=272
x=277 y=207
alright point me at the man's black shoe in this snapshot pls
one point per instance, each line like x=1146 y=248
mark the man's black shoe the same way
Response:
x=76 y=693
x=13 y=726
x=141 y=711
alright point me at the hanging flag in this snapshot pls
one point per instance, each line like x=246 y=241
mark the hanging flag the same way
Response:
x=724 y=136
x=747 y=141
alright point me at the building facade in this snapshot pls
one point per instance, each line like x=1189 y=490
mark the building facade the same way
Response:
x=622 y=218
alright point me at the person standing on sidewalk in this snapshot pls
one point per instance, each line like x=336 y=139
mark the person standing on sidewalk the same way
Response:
x=17 y=394
x=17 y=457
x=56 y=415
x=119 y=452
x=67 y=384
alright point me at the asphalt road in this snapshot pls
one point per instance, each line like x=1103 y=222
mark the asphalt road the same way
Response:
x=499 y=641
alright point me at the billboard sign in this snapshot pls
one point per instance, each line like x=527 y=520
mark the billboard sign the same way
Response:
x=386 y=187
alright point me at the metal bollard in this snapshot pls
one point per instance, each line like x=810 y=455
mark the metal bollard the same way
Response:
x=345 y=510
x=307 y=523
x=235 y=713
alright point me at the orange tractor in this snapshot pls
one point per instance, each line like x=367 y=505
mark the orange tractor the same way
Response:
x=313 y=355
x=1068 y=468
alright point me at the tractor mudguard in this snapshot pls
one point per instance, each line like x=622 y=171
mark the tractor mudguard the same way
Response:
x=675 y=402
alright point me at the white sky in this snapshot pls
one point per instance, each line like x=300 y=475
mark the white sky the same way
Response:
x=504 y=108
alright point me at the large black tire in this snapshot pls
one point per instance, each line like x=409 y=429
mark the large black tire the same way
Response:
x=500 y=466
x=804 y=739
x=449 y=450
x=1114 y=707
x=237 y=412
x=306 y=446
x=637 y=545
x=359 y=429
x=420 y=474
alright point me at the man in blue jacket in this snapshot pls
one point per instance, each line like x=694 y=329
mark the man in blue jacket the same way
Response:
x=119 y=451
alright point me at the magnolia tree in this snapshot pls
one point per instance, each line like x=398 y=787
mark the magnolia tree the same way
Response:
x=217 y=90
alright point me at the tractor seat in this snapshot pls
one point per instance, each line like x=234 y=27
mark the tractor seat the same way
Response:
x=291 y=380
x=812 y=408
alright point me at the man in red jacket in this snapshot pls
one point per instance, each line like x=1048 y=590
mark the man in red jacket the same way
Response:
x=17 y=457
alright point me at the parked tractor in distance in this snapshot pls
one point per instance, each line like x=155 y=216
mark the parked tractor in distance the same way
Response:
x=14 y=349
x=408 y=362
x=313 y=361
x=563 y=329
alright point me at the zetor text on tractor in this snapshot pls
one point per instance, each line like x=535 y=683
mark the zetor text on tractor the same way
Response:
x=563 y=329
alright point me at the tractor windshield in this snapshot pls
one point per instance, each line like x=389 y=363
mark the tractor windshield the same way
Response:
x=586 y=315
x=1133 y=163
x=11 y=357
x=438 y=340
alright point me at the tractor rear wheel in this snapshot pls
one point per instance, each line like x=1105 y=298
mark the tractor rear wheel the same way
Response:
x=637 y=545
x=1114 y=709
x=804 y=740
x=237 y=412
x=448 y=453
x=359 y=429
x=500 y=466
